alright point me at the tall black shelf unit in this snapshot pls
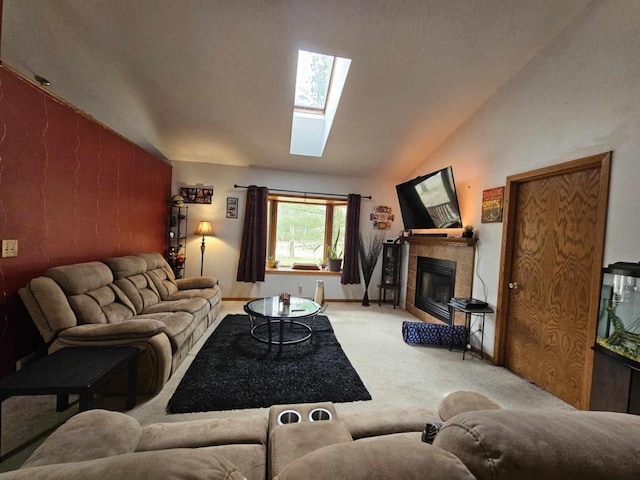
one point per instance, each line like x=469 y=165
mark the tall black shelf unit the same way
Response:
x=176 y=255
x=390 y=279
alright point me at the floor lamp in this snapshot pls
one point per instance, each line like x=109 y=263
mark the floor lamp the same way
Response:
x=204 y=229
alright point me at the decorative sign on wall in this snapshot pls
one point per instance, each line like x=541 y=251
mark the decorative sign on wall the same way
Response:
x=381 y=217
x=492 y=205
x=232 y=207
x=196 y=194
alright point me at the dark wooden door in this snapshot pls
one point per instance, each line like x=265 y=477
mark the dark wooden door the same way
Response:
x=552 y=278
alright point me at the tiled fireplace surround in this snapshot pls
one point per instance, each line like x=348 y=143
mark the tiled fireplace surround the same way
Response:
x=459 y=250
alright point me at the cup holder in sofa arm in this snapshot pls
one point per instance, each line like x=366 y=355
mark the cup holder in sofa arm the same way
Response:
x=319 y=414
x=279 y=414
x=289 y=416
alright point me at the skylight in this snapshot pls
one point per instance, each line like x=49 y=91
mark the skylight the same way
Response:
x=319 y=83
x=313 y=79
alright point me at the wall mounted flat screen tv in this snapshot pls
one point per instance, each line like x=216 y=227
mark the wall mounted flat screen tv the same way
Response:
x=430 y=201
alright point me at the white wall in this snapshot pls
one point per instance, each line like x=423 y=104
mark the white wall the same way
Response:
x=222 y=252
x=580 y=96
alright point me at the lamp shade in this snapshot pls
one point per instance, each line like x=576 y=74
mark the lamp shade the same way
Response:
x=204 y=228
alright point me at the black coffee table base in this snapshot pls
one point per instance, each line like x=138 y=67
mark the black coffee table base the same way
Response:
x=306 y=329
x=73 y=370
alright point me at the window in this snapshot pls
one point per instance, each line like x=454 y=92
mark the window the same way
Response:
x=320 y=80
x=301 y=229
x=313 y=78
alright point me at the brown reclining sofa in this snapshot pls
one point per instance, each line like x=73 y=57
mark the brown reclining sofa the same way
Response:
x=478 y=440
x=133 y=300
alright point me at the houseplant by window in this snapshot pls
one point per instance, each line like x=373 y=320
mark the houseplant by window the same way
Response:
x=334 y=258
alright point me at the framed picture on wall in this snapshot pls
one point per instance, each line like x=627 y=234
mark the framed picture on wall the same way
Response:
x=492 y=205
x=232 y=207
x=381 y=217
x=196 y=194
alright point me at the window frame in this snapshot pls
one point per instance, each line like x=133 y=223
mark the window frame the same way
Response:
x=275 y=198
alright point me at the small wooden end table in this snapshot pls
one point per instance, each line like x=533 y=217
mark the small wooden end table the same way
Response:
x=73 y=370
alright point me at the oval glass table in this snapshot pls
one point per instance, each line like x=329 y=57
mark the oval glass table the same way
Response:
x=299 y=314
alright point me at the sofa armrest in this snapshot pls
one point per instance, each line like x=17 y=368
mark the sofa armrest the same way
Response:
x=177 y=464
x=250 y=430
x=87 y=436
x=196 y=282
x=129 y=330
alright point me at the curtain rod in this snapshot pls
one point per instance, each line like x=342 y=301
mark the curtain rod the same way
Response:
x=305 y=193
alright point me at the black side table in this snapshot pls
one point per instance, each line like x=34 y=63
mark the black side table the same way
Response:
x=480 y=311
x=73 y=370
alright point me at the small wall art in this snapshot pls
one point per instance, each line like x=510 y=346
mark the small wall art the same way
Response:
x=492 y=205
x=382 y=217
x=232 y=207
x=196 y=194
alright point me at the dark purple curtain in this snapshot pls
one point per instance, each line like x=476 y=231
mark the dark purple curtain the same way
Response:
x=253 y=250
x=350 y=269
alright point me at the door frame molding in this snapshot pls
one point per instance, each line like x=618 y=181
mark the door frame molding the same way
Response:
x=601 y=161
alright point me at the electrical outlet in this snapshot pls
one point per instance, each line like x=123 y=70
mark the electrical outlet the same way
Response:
x=9 y=248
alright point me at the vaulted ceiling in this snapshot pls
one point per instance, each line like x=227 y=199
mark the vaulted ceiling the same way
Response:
x=212 y=81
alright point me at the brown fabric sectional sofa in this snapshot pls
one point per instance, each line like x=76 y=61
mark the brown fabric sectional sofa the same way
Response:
x=133 y=300
x=478 y=440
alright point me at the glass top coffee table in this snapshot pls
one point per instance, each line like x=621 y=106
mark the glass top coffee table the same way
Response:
x=265 y=311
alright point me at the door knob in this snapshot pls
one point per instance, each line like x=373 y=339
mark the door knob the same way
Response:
x=513 y=285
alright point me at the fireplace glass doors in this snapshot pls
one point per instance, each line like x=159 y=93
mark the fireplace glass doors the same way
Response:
x=435 y=285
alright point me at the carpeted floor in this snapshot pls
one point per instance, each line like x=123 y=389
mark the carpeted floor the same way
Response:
x=397 y=375
x=233 y=370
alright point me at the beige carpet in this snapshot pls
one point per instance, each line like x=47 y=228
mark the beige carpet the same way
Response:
x=395 y=373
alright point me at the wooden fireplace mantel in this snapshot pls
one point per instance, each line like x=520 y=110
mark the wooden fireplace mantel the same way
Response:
x=450 y=241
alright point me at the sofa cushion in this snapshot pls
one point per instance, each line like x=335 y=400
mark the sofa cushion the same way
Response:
x=178 y=464
x=528 y=445
x=212 y=295
x=161 y=274
x=91 y=293
x=198 y=307
x=123 y=267
x=80 y=278
x=48 y=307
x=140 y=290
x=103 y=305
x=290 y=442
x=88 y=435
x=130 y=276
x=178 y=326
x=251 y=459
x=464 y=401
x=378 y=458
x=200 y=433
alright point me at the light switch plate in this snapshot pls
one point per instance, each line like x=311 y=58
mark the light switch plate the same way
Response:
x=9 y=248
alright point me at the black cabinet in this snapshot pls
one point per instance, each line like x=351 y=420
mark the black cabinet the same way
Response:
x=615 y=385
x=391 y=260
x=176 y=255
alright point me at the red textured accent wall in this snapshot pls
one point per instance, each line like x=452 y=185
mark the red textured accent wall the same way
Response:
x=70 y=191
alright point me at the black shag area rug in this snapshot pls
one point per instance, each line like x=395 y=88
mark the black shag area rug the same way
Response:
x=234 y=371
